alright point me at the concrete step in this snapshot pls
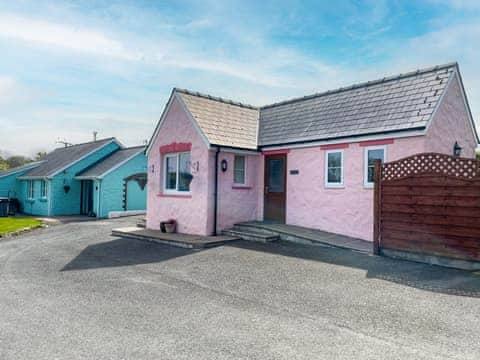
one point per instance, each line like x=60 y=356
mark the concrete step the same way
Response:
x=252 y=228
x=251 y=235
x=306 y=236
x=142 y=223
x=173 y=239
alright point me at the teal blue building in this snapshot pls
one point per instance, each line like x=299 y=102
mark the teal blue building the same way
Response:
x=98 y=178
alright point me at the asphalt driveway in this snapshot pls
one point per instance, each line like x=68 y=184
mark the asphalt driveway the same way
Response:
x=74 y=292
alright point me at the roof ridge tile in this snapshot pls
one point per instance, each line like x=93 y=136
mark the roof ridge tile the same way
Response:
x=365 y=84
x=215 y=98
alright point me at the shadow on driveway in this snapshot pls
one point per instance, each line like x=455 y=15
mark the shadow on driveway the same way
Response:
x=124 y=252
x=421 y=276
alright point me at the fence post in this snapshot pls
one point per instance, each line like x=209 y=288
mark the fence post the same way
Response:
x=377 y=206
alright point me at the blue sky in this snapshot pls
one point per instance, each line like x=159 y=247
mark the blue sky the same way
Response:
x=69 y=68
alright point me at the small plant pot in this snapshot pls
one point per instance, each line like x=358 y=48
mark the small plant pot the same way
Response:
x=170 y=227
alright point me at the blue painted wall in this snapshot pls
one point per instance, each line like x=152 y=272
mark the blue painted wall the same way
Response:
x=136 y=197
x=63 y=203
x=9 y=185
x=37 y=205
x=111 y=188
x=107 y=192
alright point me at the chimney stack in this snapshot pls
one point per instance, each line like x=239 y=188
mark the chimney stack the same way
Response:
x=95 y=136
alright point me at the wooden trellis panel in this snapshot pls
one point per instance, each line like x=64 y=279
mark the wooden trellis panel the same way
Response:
x=428 y=204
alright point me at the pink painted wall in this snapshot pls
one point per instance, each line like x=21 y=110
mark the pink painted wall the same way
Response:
x=236 y=204
x=451 y=123
x=191 y=212
x=347 y=210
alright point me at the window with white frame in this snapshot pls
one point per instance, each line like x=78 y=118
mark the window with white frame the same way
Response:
x=30 y=189
x=334 y=168
x=43 y=189
x=372 y=153
x=239 y=165
x=177 y=175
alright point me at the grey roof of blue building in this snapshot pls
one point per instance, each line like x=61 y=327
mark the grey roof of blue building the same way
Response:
x=18 y=169
x=111 y=162
x=63 y=157
x=397 y=103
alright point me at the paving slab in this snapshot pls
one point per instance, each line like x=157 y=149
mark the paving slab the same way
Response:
x=293 y=232
x=173 y=239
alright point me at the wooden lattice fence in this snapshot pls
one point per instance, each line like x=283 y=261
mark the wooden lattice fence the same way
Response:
x=428 y=204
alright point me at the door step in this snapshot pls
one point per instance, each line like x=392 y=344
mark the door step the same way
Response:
x=142 y=223
x=251 y=235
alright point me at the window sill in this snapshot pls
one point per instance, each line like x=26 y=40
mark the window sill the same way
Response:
x=368 y=187
x=334 y=186
x=184 y=196
x=30 y=200
x=43 y=199
x=241 y=187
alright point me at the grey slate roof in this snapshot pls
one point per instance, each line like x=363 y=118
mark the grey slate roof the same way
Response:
x=403 y=102
x=392 y=104
x=224 y=122
x=63 y=157
x=110 y=162
x=20 y=168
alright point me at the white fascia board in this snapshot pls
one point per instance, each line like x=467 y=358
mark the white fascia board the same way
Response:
x=352 y=139
x=20 y=170
x=177 y=97
x=33 y=178
x=51 y=176
x=192 y=119
x=440 y=101
x=85 y=177
x=119 y=164
x=239 y=151
x=160 y=122
x=467 y=105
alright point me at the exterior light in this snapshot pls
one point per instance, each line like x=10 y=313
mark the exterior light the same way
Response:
x=457 y=150
x=224 y=165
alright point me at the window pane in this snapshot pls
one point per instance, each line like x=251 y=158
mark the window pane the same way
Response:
x=171 y=173
x=335 y=159
x=239 y=170
x=334 y=171
x=371 y=174
x=372 y=156
x=184 y=177
x=31 y=188
x=335 y=175
x=276 y=176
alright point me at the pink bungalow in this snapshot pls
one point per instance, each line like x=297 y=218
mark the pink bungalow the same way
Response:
x=307 y=161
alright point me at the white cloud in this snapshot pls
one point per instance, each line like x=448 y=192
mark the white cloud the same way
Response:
x=459 y=4
x=271 y=66
x=63 y=36
x=13 y=93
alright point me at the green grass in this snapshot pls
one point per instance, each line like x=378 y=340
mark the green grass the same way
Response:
x=12 y=224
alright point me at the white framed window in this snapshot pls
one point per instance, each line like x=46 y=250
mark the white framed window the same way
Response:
x=372 y=153
x=239 y=170
x=43 y=189
x=334 y=168
x=176 y=173
x=30 y=189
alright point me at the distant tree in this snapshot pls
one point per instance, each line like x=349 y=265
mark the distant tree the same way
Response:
x=18 y=160
x=478 y=155
x=3 y=164
x=40 y=155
